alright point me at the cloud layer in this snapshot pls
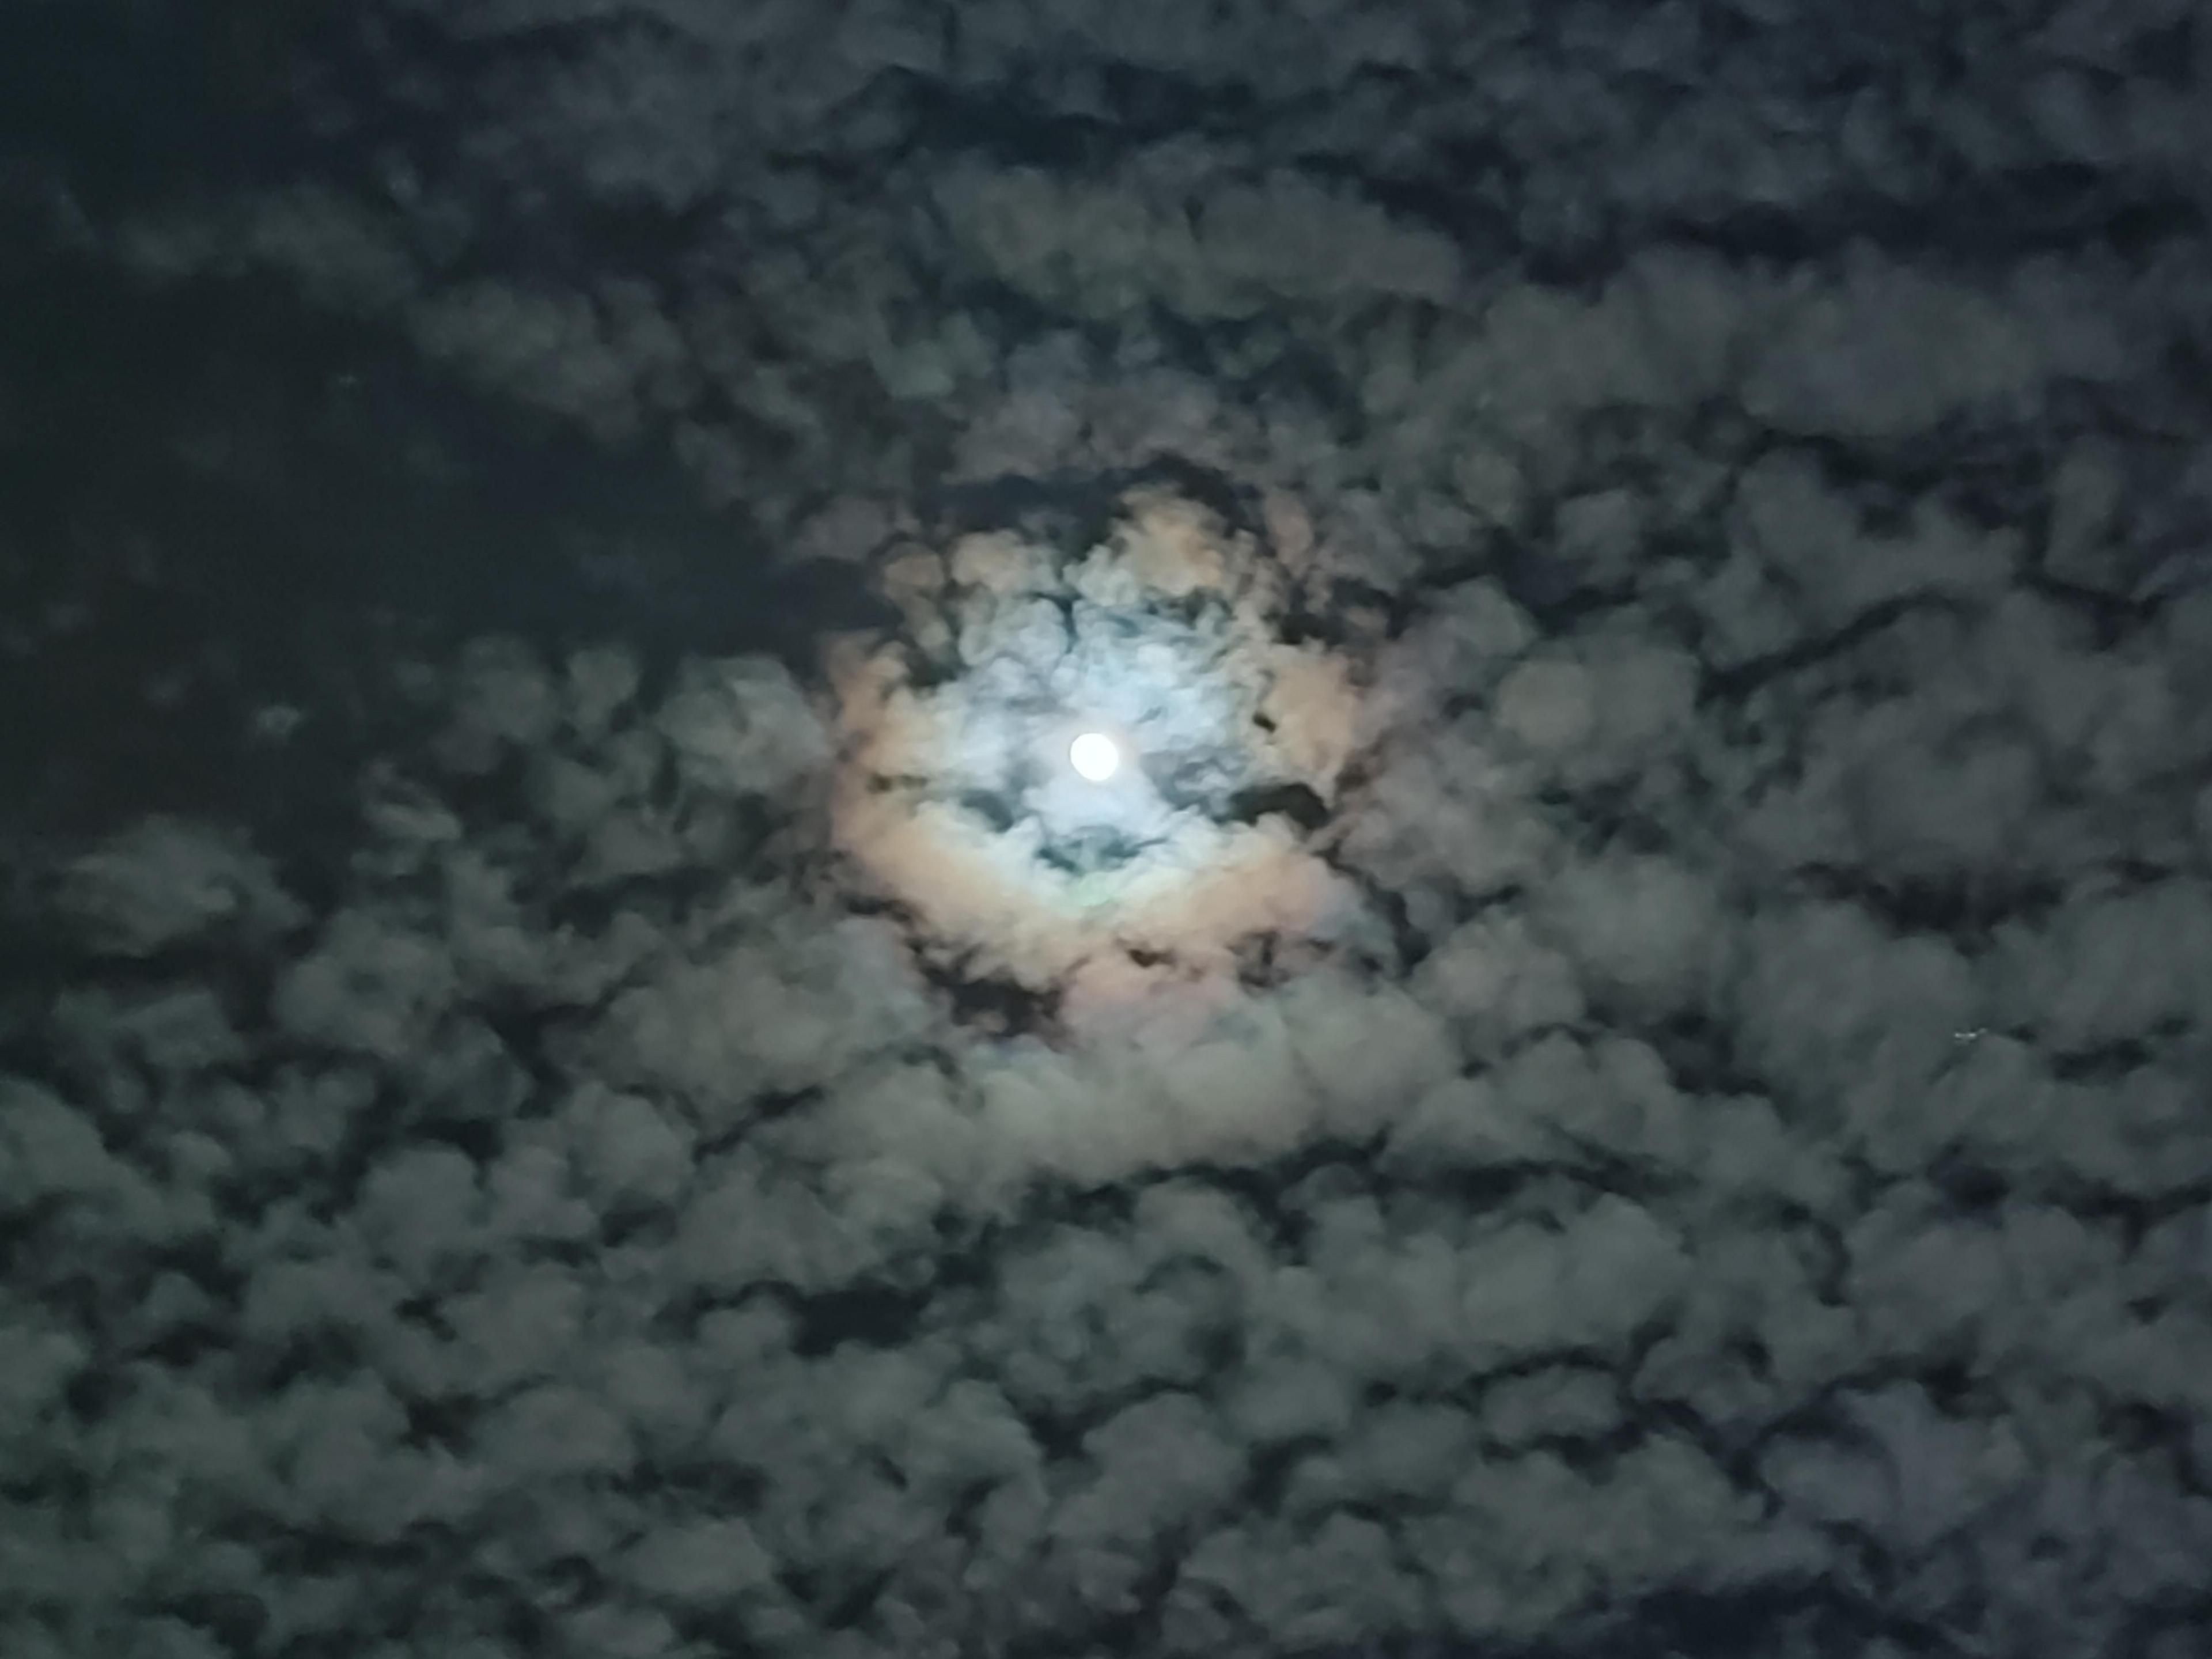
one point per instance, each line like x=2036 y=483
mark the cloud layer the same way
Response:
x=1623 y=1069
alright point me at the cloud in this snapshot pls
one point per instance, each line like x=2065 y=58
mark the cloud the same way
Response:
x=1622 y=1062
x=165 y=882
x=1100 y=251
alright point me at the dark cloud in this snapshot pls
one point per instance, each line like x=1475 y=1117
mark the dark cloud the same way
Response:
x=1621 y=1067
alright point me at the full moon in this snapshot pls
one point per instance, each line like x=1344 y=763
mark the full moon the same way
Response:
x=1094 y=756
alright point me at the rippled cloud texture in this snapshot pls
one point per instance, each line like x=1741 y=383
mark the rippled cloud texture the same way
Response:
x=1622 y=1069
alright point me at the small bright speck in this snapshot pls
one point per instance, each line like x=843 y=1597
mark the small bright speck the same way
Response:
x=1094 y=756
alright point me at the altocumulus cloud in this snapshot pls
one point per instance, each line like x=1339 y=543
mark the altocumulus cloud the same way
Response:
x=1620 y=1068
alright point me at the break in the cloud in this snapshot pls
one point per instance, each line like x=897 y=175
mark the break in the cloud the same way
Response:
x=1623 y=1066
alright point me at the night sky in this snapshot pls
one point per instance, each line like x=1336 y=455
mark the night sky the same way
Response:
x=1621 y=1067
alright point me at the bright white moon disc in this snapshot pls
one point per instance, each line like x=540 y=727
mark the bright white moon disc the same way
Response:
x=1094 y=756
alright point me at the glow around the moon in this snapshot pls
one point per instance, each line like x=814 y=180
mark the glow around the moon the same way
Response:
x=990 y=786
x=1094 y=756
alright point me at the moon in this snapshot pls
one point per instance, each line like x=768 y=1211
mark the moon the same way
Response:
x=1094 y=756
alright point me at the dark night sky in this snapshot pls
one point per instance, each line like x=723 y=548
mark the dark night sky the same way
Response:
x=1623 y=1068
